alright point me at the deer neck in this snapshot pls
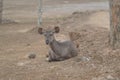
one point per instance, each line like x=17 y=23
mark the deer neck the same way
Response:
x=54 y=45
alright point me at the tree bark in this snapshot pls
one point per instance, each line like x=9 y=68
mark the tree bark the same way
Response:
x=1 y=10
x=115 y=23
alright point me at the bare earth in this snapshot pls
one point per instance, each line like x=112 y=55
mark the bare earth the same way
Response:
x=89 y=29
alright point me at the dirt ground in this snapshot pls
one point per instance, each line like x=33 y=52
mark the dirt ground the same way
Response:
x=90 y=30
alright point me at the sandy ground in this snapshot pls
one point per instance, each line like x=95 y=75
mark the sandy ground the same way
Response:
x=89 y=30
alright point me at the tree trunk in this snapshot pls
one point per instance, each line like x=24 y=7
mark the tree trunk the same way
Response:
x=115 y=23
x=1 y=10
x=40 y=13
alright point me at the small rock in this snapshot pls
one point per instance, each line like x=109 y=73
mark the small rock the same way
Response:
x=32 y=56
x=85 y=58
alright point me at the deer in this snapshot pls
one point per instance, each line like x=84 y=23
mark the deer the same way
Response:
x=59 y=51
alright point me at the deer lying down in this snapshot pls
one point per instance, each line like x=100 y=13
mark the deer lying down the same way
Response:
x=59 y=51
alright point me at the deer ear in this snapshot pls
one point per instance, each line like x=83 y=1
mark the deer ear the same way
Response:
x=40 y=30
x=57 y=29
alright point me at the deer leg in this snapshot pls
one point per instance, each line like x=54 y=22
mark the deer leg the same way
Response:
x=54 y=57
x=51 y=56
x=61 y=59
